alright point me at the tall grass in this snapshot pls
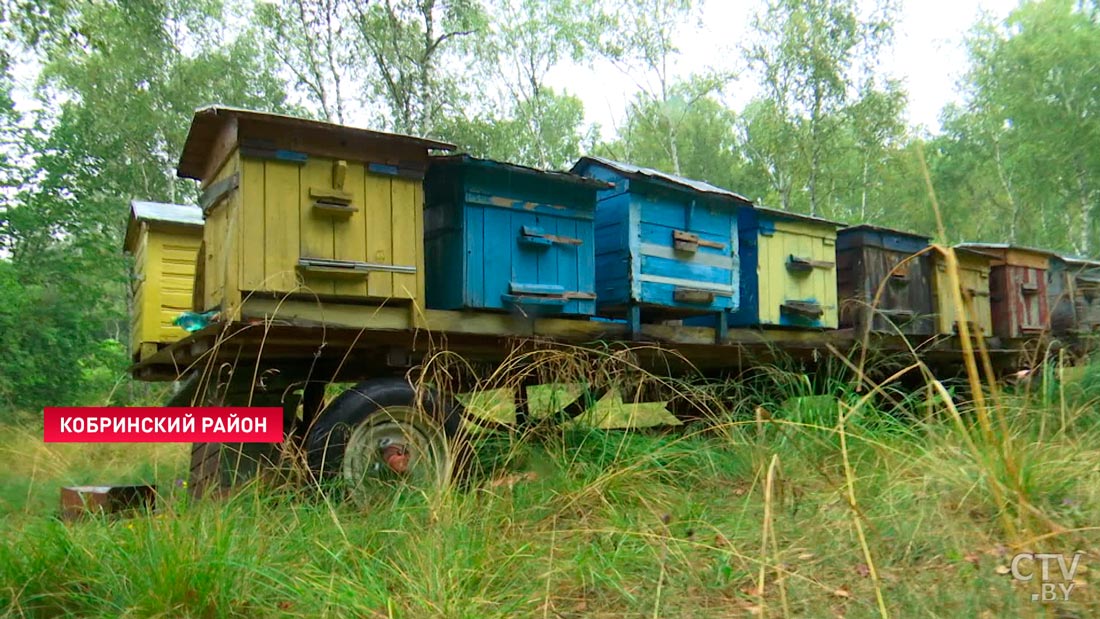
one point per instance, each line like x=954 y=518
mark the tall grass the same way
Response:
x=829 y=502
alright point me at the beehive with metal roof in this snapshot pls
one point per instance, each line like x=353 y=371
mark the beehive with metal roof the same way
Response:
x=1018 y=288
x=295 y=206
x=1083 y=281
x=504 y=236
x=163 y=240
x=666 y=246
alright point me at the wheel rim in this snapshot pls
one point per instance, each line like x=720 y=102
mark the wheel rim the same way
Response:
x=391 y=439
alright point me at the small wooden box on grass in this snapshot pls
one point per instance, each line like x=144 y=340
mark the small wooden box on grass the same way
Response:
x=871 y=259
x=164 y=241
x=297 y=206
x=788 y=275
x=666 y=246
x=500 y=236
x=974 y=284
x=1018 y=289
x=80 y=501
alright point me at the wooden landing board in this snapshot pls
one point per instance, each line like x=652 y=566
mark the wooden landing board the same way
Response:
x=356 y=342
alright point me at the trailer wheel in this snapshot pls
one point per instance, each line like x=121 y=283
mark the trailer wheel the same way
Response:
x=384 y=431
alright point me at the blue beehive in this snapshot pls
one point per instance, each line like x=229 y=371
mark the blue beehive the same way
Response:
x=502 y=236
x=666 y=246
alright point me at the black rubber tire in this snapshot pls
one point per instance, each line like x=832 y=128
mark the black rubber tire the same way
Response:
x=327 y=439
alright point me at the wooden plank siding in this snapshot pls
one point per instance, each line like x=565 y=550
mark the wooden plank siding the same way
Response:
x=1019 y=299
x=789 y=263
x=874 y=261
x=975 y=285
x=318 y=210
x=501 y=236
x=666 y=246
x=164 y=257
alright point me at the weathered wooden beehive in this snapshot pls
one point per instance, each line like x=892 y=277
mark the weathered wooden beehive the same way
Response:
x=879 y=262
x=1060 y=297
x=1018 y=289
x=164 y=241
x=1085 y=274
x=502 y=236
x=296 y=206
x=974 y=284
x=789 y=270
x=666 y=246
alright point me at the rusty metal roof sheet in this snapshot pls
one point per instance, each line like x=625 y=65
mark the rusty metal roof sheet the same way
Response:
x=208 y=122
x=631 y=170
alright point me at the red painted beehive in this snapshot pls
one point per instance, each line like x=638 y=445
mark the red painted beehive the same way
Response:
x=1018 y=289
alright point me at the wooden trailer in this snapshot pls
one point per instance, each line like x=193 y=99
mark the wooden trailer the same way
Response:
x=884 y=281
x=502 y=236
x=315 y=256
x=1018 y=289
x=163 y=240
x=665 y=245
x=788 y=270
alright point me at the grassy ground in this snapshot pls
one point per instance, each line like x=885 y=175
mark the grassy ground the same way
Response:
x=818 y=507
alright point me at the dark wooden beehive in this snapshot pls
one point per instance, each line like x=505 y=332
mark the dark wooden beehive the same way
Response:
x=874 y=261
x=1084 y=277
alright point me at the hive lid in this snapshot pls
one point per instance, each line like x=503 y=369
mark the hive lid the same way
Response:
x=997 y=249
x=160 y=212
x=208 y=122
x=885 y=230
x=781 y=214
x=634 y=171
x=1081 y=261
x=567 y=177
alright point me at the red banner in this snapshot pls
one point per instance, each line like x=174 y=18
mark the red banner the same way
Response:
x=152 y=424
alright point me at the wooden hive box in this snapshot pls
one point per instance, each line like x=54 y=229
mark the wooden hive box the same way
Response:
x=872 y=258
x=1085 y=280
x=1018 y=289
x=164 y=241
x=296 y=206
x=1060 y=296
x=789 y=274
x=666 y=246
x=974 y=281
x=501 y=236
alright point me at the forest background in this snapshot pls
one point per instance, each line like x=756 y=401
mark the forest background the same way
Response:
x=115 y=83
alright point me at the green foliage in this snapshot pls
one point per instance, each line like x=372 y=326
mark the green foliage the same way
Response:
x=703 y=142
x=118 y=85
x=1022 y=150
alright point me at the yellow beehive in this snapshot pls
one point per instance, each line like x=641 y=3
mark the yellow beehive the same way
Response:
x=164 y=242
x=974 y=281
x=788 y=270
x=302 y=207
